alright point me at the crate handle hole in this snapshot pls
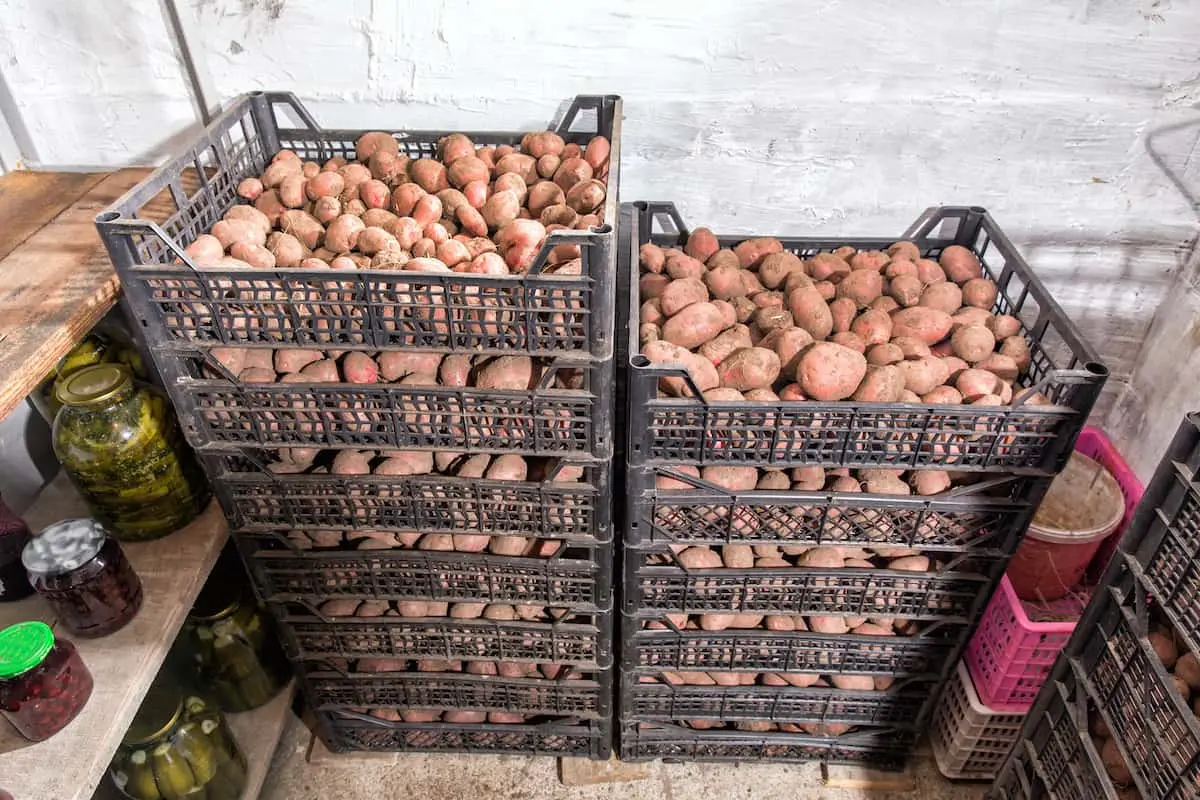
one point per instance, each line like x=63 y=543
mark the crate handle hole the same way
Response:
x=1097 y=369
x=109 y=216
x=639 y=361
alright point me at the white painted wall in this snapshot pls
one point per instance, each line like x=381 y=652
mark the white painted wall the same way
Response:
x=761 y=115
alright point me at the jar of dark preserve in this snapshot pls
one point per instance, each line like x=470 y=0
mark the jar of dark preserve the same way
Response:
x=14 y=534
x=84 y=576
x=43 y=681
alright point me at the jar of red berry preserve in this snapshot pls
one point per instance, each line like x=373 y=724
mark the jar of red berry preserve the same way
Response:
x=14 y=533
x=84 y=576
x=43 y=681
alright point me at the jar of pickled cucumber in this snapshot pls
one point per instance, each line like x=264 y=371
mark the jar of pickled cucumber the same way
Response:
x=235 y=652
x=178 y=747
x=122 y=449
x=90 y=350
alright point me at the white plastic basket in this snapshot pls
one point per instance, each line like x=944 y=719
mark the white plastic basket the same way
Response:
x=970 y=740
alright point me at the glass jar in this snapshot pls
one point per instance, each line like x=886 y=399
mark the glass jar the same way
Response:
x=235 y=652
x=43 y=682
x=178 y=747
x=123 y=451
x=91 y=350
x=14 y=533
x=84 y=576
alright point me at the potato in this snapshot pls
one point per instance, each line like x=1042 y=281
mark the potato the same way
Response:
x=339 y=607
x=906 y=290
x=960 y=264
x=943 y=395
x=874 y=327
x=882 y=384
x=735 y=479
x=699 y=558
x=406 y=462
x=828 y=625
x=926 y=325
x=811 y=312
x=980 y=293
x=860 y=683
x=909 y=564
x=506 y=372
x=1003 y=326
x=787 y=344
x=509 y=546
x=975 y=383
x=928 y=481
x=944 y=296
x=694 y=325
x=822 y=266
x=884 y=354
x=323 y=371
x=680 y=294
x=861 y=286
x=842 y=310
x=294 y=359
x=360 y=368
x=775 y=268
x=1016 y=348
x=508 y=467
x=1114 y=763
x=734 y=338
x=972 y=343
x=773 y=480
x=723 y=394
x=829 y=371
x=1187 y=668
x=397 y=364
x=1165 y=648
x=680 y=265
x=437 y=542
x=749 y=368
x=822 y=557
x=752 y=251
x=700 y=369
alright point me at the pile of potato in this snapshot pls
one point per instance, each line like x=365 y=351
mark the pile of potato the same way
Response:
x=425 y=609
x=799 y=680
x=482 y=210
x=1184 y=668
x=402 y=368
x=789 y=623
x=816 y=479
x=398 y=463
x=507 y=545
x=757 y=323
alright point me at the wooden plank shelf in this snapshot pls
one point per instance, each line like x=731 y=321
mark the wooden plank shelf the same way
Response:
x=56 y=281
x=72 y=763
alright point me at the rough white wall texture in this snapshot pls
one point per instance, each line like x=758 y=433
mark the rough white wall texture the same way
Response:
x=761 y=115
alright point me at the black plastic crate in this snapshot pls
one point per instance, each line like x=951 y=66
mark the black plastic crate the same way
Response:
x=985 y=518
x=179 y=305
x=925 y=655
x=1155 y=728
x=1165 y=534
x=1016 y=781
x=953 y=594
x=537 y=422
x=257 y=500
x=1014 y=439
x=1060 y=751
x=579 y=578
x=902 y=706
x=645 y=741
x=589 y=697
x=346 y=731
x=582 y=640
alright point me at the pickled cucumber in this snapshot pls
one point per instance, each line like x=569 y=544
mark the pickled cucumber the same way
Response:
x=171 y=772
x=256 y=689
x=199 y=752
x=139 y=777
x=228 y=783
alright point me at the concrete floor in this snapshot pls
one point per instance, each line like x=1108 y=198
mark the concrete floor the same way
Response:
x=446 y=777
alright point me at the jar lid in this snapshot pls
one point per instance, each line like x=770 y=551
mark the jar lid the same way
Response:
x=93 y=385
x=159 y=712
x=23 y=646
x=63 y=546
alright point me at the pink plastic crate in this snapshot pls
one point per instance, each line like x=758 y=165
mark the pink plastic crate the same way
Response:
x=1011 y=655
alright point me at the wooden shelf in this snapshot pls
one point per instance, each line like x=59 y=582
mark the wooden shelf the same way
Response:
x=257 y=733
x=72 y=763
x=56 y=281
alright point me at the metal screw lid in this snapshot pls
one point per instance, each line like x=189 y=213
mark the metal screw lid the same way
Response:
x=63 y=546
x=23 y=646
x=159 y=712
x=93 y=385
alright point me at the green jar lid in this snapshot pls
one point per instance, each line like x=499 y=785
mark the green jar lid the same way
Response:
x=23 y=646
x=93 y=385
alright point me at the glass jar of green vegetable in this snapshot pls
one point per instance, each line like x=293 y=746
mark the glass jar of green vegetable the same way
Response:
x=236 y=655
x=122 y=449
x=178 y=747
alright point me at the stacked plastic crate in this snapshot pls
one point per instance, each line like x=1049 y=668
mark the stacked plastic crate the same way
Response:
x=980 y=715
x=1118 y=716
x=761 y=681
x=426 y=609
